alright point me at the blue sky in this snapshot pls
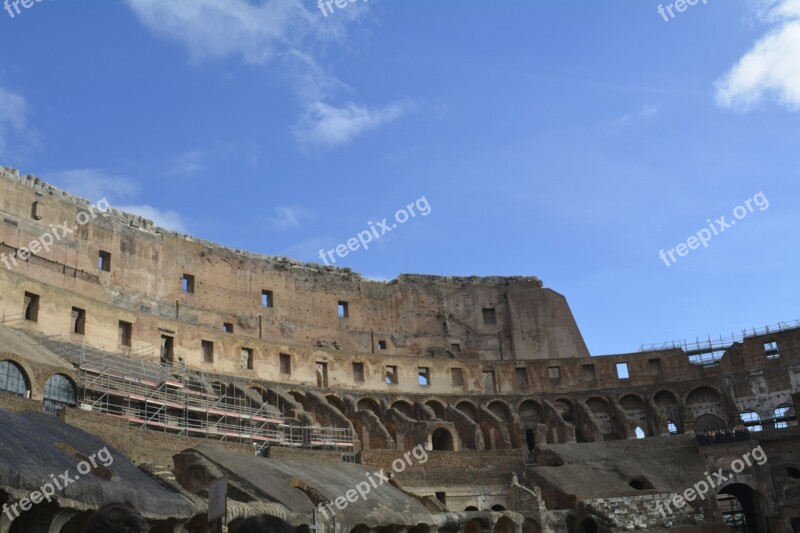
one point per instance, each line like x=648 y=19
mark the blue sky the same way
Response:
x=570 y=140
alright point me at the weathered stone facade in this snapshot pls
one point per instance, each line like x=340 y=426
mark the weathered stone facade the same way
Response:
x=524 y=430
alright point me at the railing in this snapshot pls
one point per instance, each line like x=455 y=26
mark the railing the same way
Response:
x=711 y=345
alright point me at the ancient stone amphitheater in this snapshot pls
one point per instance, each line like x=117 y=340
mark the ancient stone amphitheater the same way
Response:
x=343 y=404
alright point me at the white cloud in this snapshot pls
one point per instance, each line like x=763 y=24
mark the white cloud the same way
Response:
x=327 y=125
x=13 y=119
x=167 y=219
x=283 y=32
x=94 y=185
x=647 y=112
x=288 y=217
x=771 y=69
x=186 y=164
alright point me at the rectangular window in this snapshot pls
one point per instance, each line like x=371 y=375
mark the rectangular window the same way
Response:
x=78 y=321
x=36 y=210
x=208 y=351
x=455 y=348
x=358 y=372
x=554 y=372
x=31 y=308
x=227 y=327
x=286 y=363
x=391 y=375
x=771 y=350
x=588 y=373
x=187 y=284
x=622 y=371
x=489 y=316
x=247 y=358
x=489 y=383
x=125 y=333
x=381 y=345
x=104 y=261
x=458 y=377
x=424 y=376
x=655 y=367
x=267 y=299
x=344 y=312
x=322 y=374
x=522 y=377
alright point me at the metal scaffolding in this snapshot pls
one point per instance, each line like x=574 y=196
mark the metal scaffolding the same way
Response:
x=163 y=397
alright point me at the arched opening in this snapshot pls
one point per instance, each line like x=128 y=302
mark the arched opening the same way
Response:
x=473 y=526
x=336 y=402
x=589 y=526
x=564 y=408
x=437 y=407
x=404 y=407
x=672 y=428
x=705 y=401
x=468 y=409
x=420 y=528
x=738 y=508
x=633 y=406
x=442 y=440
x=667 y=407
x=13 y=379
x=501 y=410
x=706 y=423
x=783 y=415
x=360 y=528
x=639 y=432
x=471 y=508
x=368 y=404
x=505 y=524
x=498 y=508
x=602 y=414
x=59 y=392
x=529 y=525
x=640 y=483
x=793 y=472
x=751 y=420
x=300 y=398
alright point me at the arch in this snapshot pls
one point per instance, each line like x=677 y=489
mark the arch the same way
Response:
x=59 y=391
x=530 y=413
x=13 y=379
x=336 y=402
x=442 y=440
x=360 y=528
x=738 y=507
x=468 y=408
x=705 y=400
x=752 y=420
x=501 y=410
x=404 y=407
x=588 y=526
x=529 y=525
x=473 y=526
x=640 y=483
x=784 y=410
x=705 y=423
x=505 y=524
x=498 y=508
x=672 y=427
x=420 y=528
x=667 y=407
x=601 y=410
x=640 y=434
x=566 y=408
x=370 y=404
x=470 y=508
x=437 y=407
x=300 y=398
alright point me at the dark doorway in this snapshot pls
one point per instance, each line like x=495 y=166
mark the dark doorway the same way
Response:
x=167 y=350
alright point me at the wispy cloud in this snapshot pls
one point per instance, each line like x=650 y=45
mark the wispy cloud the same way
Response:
x=14 y=111
x=186 y=164
x=95 y=185
x=326 y=125
x=647 y=112
x=288 y=217
x=279 y=34
x=771 y=69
